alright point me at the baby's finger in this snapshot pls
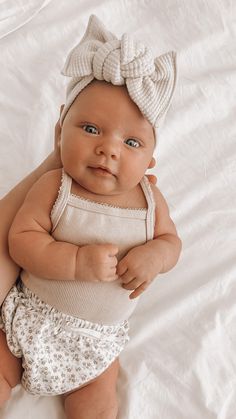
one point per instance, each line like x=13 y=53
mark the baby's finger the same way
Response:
x=138 y=291
x=126 y=278
x=111 y=277
x=133 y=284
x=113 y=272
x=121 y=268
x=111 y=249
x=113 y=262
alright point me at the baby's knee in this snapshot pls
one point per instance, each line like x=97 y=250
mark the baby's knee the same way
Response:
x=5 y=390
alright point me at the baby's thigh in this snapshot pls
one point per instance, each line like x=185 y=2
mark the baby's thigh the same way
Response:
x=96 y=399
x=10 y=366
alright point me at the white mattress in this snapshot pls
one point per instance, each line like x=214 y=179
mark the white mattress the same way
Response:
x=181 y=359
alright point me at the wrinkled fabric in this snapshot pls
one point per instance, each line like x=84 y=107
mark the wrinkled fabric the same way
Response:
x=180 y=362
x=100 y=55
x=59 y=352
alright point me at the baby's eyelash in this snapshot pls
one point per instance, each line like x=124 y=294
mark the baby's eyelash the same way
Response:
x=132 y=142
x=90 y=129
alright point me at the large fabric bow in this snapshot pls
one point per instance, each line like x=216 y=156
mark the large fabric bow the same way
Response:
x=100 y=55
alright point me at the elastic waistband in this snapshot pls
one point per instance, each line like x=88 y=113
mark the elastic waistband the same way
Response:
x=66 y=321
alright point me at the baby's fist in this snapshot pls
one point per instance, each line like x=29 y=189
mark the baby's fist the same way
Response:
x=97 y=263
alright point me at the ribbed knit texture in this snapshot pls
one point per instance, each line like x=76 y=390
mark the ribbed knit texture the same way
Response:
x=81 y=221
x=100 y=55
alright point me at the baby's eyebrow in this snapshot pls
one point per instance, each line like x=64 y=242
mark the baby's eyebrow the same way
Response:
x=88 y=116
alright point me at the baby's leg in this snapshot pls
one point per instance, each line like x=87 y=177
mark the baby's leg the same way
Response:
x=10 y=370
x=96 y=400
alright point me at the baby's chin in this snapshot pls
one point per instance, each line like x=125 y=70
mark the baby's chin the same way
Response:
x=101 y=186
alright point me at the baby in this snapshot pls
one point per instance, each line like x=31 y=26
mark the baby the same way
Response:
x=92 y=236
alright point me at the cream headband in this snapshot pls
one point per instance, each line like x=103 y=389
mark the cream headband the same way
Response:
x=100 y=55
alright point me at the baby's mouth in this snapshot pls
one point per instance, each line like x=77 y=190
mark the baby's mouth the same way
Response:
x=101 y=170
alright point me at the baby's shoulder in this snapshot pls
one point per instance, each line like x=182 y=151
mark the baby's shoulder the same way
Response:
x=51 y=177
x=49 y=181
x=160 y=202
x=155 y=191
x=46 y=187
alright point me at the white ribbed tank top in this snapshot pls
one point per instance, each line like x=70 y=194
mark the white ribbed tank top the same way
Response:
x=81 y=221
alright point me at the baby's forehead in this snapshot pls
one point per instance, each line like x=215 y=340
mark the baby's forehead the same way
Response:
x=115 y=99
x=111 y=106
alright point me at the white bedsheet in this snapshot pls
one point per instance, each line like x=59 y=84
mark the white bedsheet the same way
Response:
x=181 y=360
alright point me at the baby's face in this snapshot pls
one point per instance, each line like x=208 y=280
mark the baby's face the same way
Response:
x=106 y=143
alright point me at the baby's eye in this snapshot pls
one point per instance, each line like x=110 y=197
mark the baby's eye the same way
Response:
x=132 y=142
x=91 y=129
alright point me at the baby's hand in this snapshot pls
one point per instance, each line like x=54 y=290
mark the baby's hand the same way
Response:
x=138 y=268
x=97 y=263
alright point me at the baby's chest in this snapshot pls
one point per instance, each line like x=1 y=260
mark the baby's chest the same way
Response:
x=124 y=228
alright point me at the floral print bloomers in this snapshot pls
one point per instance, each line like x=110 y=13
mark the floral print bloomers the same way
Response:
x=59 y=352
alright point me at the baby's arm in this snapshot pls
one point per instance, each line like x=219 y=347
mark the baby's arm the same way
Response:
x=34 y=249
x=9 y=206
x=143 y=263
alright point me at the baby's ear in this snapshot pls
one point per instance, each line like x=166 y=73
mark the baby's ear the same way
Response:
x=152 y=163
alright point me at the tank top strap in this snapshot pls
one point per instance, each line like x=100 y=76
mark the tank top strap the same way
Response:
x=62 y=199
x=150 y=220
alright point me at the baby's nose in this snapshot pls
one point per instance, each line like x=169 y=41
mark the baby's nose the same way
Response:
x=109 y=148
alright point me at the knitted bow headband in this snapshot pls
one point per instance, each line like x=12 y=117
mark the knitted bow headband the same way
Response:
x=100 y=55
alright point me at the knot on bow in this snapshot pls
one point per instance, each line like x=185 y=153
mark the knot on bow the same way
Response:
x=113 y=61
